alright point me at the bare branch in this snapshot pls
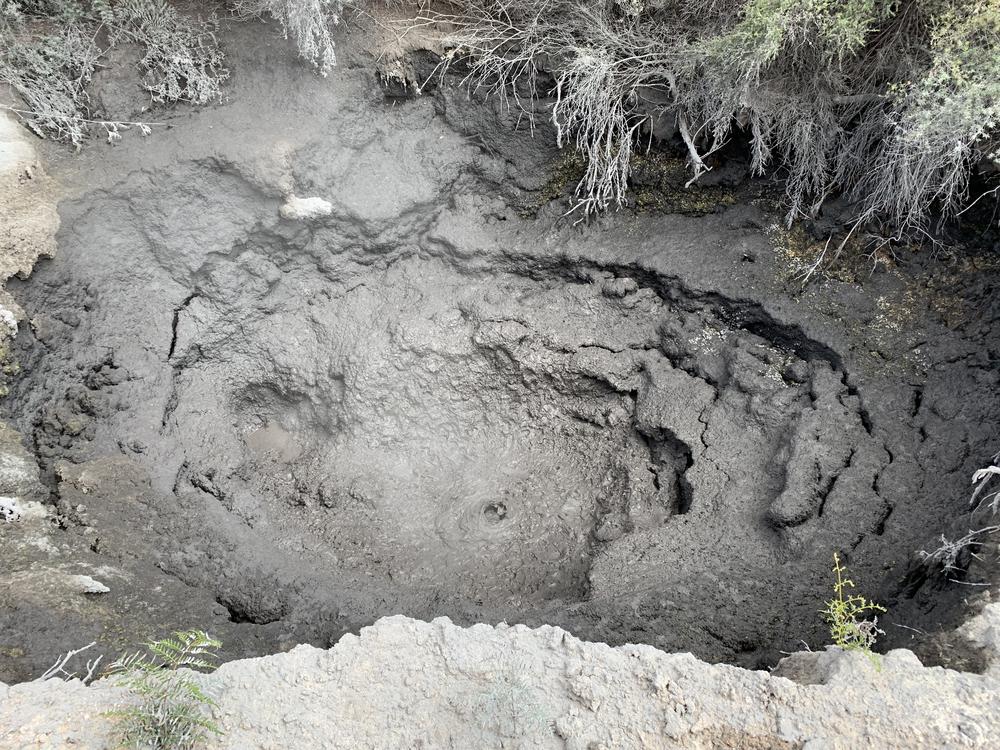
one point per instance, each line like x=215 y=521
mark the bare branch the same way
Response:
x=59 y=671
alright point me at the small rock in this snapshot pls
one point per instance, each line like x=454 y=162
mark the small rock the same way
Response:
x=88 y=585
x=8 y=320
x=304 y=209
x=619 y=287
x=612 y=527
x=9 y=509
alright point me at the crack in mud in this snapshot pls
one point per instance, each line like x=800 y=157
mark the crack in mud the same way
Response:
x=176 y=321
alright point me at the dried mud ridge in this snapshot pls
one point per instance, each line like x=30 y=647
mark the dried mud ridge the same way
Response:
x=280 y=425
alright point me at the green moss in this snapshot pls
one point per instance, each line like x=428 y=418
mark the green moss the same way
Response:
x=565 y=173
x=659 y=181
x=843 y=259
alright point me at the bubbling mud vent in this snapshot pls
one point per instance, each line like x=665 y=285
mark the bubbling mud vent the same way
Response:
x=319 y=422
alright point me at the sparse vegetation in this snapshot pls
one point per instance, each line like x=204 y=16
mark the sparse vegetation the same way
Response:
x=890 y=104
x=60 y=670
x=986 y=495
x=170 y=712
x=51 y=49
x=853 y=619
x=952 y=556
x=306 y=22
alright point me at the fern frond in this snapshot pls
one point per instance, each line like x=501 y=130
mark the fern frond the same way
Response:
x=171 y=711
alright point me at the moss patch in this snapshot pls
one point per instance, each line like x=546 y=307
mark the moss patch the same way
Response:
x=565 y=173
x=659 y=180
x=840 y=258
x=658 y=185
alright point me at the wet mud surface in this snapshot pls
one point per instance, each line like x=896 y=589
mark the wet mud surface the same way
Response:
x=642 y=429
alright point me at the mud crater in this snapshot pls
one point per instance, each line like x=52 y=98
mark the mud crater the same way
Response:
x=410 y=426
x=309 y=425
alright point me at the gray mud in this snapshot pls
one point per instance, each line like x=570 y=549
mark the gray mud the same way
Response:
x=643 y=430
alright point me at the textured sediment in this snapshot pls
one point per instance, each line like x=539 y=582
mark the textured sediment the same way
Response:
x=28 y=220
x=404 y=683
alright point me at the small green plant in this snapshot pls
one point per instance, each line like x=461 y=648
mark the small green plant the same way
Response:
x=170 y=710
x=848 y=615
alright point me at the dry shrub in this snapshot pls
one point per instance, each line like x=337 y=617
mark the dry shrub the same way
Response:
x=307 y=22
x=890 y=104
x=50 y=50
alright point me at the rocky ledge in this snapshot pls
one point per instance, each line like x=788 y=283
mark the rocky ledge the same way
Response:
x=406 y=683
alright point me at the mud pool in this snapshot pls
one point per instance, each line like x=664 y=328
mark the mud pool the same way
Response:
x=643 y=429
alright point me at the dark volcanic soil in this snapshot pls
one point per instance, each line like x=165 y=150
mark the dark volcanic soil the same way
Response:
x=643 y=430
